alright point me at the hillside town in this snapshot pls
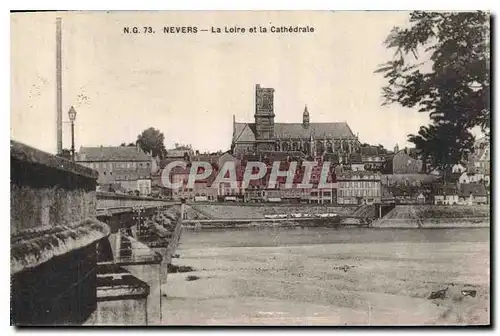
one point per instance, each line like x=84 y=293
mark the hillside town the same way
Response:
x=361 y=173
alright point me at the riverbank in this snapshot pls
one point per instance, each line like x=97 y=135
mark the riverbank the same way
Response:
x=215 y=216
x=435 y=216
x=331 y=277
x=334 y=221
x=259 y=211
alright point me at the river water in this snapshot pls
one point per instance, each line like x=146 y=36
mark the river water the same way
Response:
x=320 y=276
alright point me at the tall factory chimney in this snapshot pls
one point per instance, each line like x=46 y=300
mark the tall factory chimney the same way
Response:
x=59 y=84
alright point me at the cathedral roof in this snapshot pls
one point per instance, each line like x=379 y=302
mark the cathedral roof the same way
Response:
x=246 y=131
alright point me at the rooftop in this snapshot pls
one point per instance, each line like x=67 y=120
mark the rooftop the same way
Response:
x=245 y=132
x=475 y=189
x=117 y=153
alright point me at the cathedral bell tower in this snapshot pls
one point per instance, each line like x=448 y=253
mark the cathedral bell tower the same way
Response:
x=305 y=118
x=264 y=118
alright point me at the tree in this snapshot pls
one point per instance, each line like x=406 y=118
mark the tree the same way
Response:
x=151 y=141
x=455 y=87
x=437 y=145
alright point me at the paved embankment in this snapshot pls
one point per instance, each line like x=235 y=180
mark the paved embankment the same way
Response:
x=284 y=222
x=223 y=211
x=435 y=216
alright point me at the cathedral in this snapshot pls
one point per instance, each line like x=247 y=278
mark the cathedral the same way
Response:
x=312 y=139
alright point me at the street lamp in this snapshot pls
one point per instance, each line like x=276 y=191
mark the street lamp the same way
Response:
x=72 y=117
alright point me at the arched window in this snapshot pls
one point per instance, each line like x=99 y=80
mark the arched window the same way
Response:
x=345 y=146
x=306 y=148
x=329 y=147
x=319 y=147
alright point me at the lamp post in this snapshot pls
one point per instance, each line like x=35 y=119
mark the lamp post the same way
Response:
x=72 y=117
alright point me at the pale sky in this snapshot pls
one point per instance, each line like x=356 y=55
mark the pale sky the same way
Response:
x=190 y=85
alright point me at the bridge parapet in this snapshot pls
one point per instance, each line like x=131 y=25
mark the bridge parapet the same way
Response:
x=54 y=237
x=107 y=200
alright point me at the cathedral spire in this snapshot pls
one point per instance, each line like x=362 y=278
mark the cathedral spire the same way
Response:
x=305 y=118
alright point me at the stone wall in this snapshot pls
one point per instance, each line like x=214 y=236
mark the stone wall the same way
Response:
x=47 y=190
x=49 y=206
x=54 y=234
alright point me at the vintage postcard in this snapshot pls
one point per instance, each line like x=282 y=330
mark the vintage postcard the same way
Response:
x=250 y=168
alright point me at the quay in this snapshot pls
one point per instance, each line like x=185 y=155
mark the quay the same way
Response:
x=339 y=221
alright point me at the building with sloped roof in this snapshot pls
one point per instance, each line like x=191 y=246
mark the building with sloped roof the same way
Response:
x=479 y=160
x=403 y=163
x=359 y=187
x=128 y=167
x=473 y=193
x=408 y=194
x=313 y=139
x=373 y=157
x=446 y=193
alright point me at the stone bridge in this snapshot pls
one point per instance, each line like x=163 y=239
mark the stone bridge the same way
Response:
x=108 y=200
x=74 y=254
